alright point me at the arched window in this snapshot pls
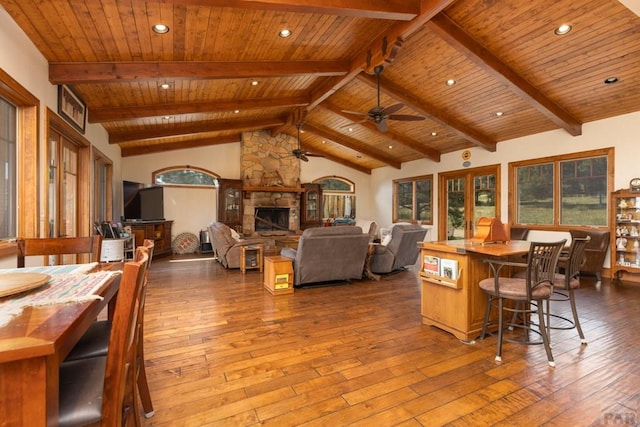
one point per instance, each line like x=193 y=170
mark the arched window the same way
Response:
x=191 y=176
x=338 y=197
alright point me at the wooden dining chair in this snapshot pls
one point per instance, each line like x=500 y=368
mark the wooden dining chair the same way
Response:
x=91 y=245
x=95 y=342
x=527 y=295
x=101 y=390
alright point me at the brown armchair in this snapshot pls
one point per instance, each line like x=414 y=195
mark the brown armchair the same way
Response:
x=595 y=252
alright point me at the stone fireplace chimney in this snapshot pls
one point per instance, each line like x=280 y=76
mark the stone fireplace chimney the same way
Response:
x=270 y=172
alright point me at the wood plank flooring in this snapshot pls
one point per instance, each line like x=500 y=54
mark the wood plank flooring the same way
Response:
x=222 y=351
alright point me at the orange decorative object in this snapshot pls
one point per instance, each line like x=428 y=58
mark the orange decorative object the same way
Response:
x=490 y=230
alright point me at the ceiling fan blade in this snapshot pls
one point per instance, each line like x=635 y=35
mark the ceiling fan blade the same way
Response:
x=303 y=157
x=382 y=126
x=314 y=155
x=392 y=109
x=405 y=117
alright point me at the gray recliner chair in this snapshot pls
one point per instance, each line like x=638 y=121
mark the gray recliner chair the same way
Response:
x=401 y=251
x=327 y=254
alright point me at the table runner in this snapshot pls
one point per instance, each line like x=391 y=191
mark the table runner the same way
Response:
x=61 y=289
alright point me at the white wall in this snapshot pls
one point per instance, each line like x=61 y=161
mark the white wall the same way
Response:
x=192 y=210
x=24 y=63
x=619 y=132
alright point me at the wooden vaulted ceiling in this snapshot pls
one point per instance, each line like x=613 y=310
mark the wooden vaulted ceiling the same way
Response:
x=504 y=56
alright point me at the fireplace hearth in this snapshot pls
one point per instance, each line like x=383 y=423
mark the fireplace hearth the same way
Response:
x=271 y=219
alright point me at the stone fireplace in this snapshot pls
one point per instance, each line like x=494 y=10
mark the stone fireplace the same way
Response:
x=270 y=175
x=271 y=219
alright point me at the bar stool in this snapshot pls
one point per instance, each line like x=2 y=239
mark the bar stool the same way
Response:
x=527 y=295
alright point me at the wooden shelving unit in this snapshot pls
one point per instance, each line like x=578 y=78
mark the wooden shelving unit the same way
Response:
x=625 y=236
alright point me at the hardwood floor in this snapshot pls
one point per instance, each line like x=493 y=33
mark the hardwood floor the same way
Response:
x=221 y=350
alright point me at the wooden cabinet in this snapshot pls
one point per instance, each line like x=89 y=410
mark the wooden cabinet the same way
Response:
x=230 y=203
x=453 y=301
x=278 y=275
x=625 y=238
x=311 y=206
x=158 y=231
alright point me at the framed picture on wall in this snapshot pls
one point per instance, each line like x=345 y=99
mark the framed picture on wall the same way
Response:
x=72 y=108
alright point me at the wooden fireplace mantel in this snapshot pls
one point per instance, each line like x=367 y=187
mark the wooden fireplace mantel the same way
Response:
x=273 y=189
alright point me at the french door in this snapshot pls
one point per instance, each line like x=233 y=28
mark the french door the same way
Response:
x=68 y=183
x=465 y=196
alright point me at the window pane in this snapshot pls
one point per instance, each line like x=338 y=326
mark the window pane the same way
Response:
x=583 y=192
x=334 y=184
x=405 y=200
x=455 y=208
x=186 y=177
x=535 y=194
x=8 y=187
x=484 y=197
x=423 y=199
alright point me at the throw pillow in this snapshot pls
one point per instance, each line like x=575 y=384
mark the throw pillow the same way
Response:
x=385 y=241
x=235 y=235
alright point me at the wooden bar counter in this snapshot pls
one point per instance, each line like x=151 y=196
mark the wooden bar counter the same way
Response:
x=454 y=302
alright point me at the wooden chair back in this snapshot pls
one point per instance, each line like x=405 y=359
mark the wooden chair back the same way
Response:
x=91 y=245
x=119 y=395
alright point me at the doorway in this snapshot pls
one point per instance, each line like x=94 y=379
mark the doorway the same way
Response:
x=467 y=195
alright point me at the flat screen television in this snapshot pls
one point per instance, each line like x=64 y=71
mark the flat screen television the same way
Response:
x=142 y=203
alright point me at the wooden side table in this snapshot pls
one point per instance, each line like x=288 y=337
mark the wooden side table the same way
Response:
x=278 y=275
x=250 y=257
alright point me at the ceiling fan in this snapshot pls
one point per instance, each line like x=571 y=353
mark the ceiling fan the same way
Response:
x=301 y=154
x=379 y=115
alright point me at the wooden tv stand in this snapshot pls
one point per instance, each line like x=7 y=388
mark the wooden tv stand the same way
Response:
x=158 y=231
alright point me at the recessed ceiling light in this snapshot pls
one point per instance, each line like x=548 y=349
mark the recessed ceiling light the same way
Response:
x=324 y=142
x=166 y=118
x=236 y=111
x=165 y=86
x=434 y=133
x=160 y=29
x=254 y=83
x=562 y=29
x=350 y=129
x=284 y=33
x=390 y=147
x=499 y=114
x=610 y=80
x=450 y=82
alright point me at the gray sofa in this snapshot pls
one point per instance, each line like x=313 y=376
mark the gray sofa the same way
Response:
x=327 y=254
x=226 y=248
x=401 y=251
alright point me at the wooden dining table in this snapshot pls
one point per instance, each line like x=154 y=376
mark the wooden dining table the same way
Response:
x=36 y=340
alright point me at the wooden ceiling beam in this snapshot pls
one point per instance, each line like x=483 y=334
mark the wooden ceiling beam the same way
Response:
x=328 y=156
x=111 y=72
x=351 y=143
x=421 y=107
x=399 y=10
x=191 y=129
x=160 y=147
x=383 y=48
x=100 y=115
x=414 y=145
x=453 y=34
